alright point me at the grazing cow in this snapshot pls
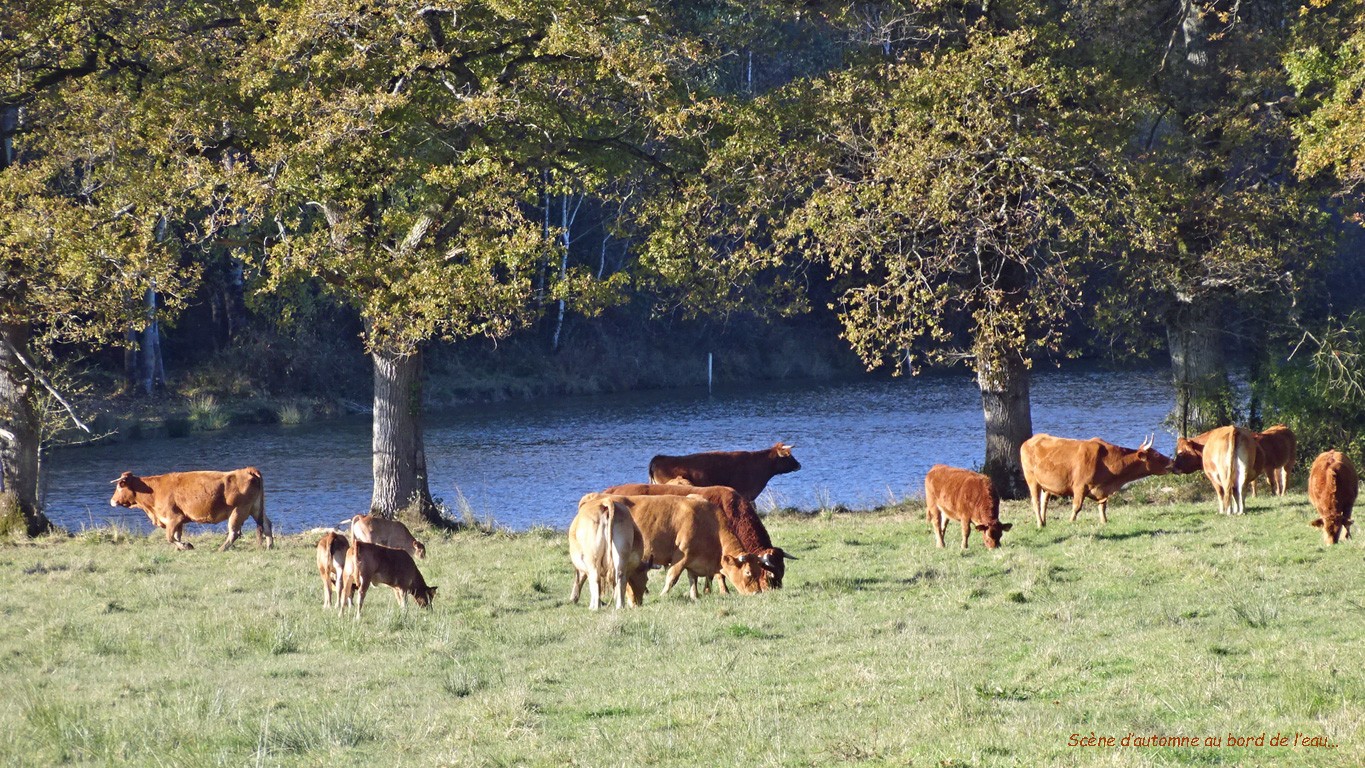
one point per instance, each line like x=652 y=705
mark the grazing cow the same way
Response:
x=1080 y=468
x=605 y=546
x=331 y=562
x=748 y=472
x=176 y=498
x=681 y=533
x=1277 y=447
x=1231 y=459
x=368 y=564
x=1332 y=487
x=386 y=533
x=741 y=517
x=965 y=496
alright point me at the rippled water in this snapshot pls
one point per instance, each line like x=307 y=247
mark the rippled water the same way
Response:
x=860 y=444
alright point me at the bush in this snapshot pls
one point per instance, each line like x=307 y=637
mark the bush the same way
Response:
x=1321 y=398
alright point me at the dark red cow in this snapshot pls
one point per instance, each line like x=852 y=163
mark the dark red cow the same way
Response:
x=738 y=511
x=748 y=472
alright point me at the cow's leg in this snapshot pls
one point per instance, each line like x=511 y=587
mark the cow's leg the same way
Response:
x=578 y=577
x=1077 y=501
x=235 y=521
x=671 y=577
x=326 y=591
x=363 y=586
x=402 y=596
x=936 y=520
x=692 y=577
x=966 y=530
x=594 y=589
x=620 y=588
x=724 y=588
x=1043 y=497
x=173 y=531
x=1104 y=515
x=265 y=530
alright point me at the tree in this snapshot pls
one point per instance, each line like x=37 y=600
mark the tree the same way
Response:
x=401 y=149
x=103 y=137
x=1326 y=63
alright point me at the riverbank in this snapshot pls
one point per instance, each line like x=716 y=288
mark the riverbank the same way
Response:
x=1169 y=621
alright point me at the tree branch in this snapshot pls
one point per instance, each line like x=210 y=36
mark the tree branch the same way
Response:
x=41 y=379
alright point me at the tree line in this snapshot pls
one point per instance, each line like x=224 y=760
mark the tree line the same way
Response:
x=973 y=183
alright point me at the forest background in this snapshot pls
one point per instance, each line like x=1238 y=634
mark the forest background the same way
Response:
x=311 y=203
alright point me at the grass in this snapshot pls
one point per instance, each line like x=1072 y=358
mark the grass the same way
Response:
x=883 y=650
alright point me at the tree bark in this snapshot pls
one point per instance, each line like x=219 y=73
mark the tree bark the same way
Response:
x=21 y=445
x=400 y=463
x=1203 y=396
x=1004 y=382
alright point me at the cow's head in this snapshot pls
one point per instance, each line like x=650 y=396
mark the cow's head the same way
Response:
x=1334 y=529
x=743 y=571
x=1189 y=457
x=782 y=459
x=991 y=533
x=1151 y=460
x=424 y=595
x=637 y=583
x=124 y=490
x=773 y=561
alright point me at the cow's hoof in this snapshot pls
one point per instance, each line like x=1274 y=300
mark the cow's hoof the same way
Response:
x=183 y=545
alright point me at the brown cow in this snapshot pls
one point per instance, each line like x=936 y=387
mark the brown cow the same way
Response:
x=331 y=562
x=1080 y=468
x=368 y=564
x=1332 y=487
x=681 y=534
x=1277 y=447
x=741 y=516
x=965 y=496
x=605 y=546
x=1189 y=454
x=176 y=498
x=1231 y=459
x=386 y=533
x=748 y=472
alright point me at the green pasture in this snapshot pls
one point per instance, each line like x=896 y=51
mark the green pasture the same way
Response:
x=882 y=650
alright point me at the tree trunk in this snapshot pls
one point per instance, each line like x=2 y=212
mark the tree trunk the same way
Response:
x=1203 y=396
x=400 y=463
x=21 y=444
x=1004 y=382
x=153 y=370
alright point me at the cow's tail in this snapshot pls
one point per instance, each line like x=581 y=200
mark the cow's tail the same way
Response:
x=265 y=531
x=607 y=523
x=1241 y=467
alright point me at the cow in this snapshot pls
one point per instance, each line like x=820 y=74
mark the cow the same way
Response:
x=1079 y=468
x=387 y=533
x=1332 y=487
x=1231 y=459
x=742 y=518
x=1189 y=454
x=1277 y=446
x=331 y=562
x=748 y=472
x=965 y=496
x=368 y=564
x=605 y=546
x=176 y=498
x=681 y=533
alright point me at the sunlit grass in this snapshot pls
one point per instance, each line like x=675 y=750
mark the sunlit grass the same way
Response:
x=883 y=650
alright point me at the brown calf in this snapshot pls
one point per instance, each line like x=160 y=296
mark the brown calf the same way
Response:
x=386 y=533
x=1332 y=487
x=965 y=496
x=1231 y=459
x=331 y=562
x=368 y=564
x=1277 y=446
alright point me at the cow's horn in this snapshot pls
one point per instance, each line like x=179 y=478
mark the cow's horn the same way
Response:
x=1147 y=443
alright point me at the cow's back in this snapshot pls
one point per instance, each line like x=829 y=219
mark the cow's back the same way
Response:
x=1333 y=484
x=1278 y=447
x=1058 y=464
x=672 y=527
x=962 y=493
x=205 y=496
x=738 y=511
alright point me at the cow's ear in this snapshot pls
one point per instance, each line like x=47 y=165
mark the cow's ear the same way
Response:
x=1006 y=526
x=123 y=479
x=728 y=560
x=1317 y=522
x=981 y=527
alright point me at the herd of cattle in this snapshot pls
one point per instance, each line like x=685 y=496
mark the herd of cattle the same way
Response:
x=697 y=515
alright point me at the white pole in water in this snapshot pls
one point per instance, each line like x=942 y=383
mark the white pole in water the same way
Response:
x=708 y=373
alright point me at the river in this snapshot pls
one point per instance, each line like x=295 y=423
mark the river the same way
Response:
x=861 y=444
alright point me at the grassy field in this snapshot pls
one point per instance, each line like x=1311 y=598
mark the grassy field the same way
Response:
x=883 y=650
